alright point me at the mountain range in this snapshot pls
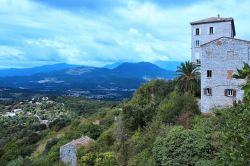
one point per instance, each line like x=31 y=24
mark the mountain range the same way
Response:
x=35 y=70
x=93 y=82
x=167 y=65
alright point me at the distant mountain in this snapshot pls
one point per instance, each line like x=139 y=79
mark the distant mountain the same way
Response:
x=116 y=82
x=35 y=70
x=142 y=69
x=113 y=65
x=168 y=65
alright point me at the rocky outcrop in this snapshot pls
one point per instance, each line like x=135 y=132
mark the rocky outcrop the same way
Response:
x=68 y=152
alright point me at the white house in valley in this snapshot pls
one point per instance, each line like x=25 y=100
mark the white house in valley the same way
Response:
x=219 y=54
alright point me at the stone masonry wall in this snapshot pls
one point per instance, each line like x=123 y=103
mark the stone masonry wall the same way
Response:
x=221 y=56
x=221 y=29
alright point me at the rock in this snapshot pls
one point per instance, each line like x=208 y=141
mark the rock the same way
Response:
x=68 y=152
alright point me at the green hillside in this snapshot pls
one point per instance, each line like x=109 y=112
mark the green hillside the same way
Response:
x=158 y=126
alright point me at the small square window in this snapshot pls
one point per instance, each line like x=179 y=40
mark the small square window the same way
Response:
x=230 y=92
x=209 y=73
x=211 y=30
x=208 y=91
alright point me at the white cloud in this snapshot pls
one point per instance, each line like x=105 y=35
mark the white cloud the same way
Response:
x=10 y=53
x=136 y=31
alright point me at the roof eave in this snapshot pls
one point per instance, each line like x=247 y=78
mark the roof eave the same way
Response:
x=217 y=21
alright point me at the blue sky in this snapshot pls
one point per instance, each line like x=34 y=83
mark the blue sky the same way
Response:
x=99 y=32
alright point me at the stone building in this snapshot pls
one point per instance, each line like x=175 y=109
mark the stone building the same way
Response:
x=206 y=30
x=68 y=152
x=219 y=55
x=219 y=61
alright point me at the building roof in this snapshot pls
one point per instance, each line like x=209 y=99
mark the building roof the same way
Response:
x=215 y=20
x=247 y=41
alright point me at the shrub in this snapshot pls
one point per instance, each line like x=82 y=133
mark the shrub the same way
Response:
x=234 y=123
x=49 y=144
x=182 y=147
x=143 y=106
x=88 y=159
x=107 y=159
x=58 y=124
x=174 y=107
x=106 y=140
x=143 y=158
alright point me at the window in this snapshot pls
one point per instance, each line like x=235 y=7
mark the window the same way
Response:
x=197 y=31
x=211 y=30
x=230 y=92
x=197 y=43
x=208 y=91
x=209 y=73
x=198 y=61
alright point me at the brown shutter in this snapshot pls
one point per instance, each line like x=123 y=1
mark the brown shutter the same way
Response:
x=225 y=92
x=234 y=92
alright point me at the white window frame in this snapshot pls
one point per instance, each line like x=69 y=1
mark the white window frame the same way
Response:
x=197 y=43
x=230 y=92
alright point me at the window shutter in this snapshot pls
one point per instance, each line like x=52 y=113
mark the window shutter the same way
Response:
x=194 y=31
x=211 y=91
x=208 y=30
x=205 y=91
x=225 y=92
x=234 y=92
x=213 y=30
x=200 y=30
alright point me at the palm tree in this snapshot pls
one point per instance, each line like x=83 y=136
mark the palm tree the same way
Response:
x=188 y=79
x=244 y=73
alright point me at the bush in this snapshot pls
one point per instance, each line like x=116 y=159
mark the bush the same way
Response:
x=101 y=159
x=49 y=144
x=182 y=147
x=234 y=123
x=178 y=108
x=58 y=124
x=88 y=159
x=106 y=140
x=140 y=110
x=107 y=159
x=92 y=130
x=143 y=158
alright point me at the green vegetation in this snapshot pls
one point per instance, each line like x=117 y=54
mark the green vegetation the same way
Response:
x=160 y=126
x=244 y=73
x=188 y=78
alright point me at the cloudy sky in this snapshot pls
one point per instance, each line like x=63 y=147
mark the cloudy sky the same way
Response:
x=99 y=32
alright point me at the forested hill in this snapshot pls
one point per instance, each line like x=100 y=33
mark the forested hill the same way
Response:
x=159 y=126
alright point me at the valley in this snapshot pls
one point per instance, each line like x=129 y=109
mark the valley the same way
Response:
x=114 y=84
